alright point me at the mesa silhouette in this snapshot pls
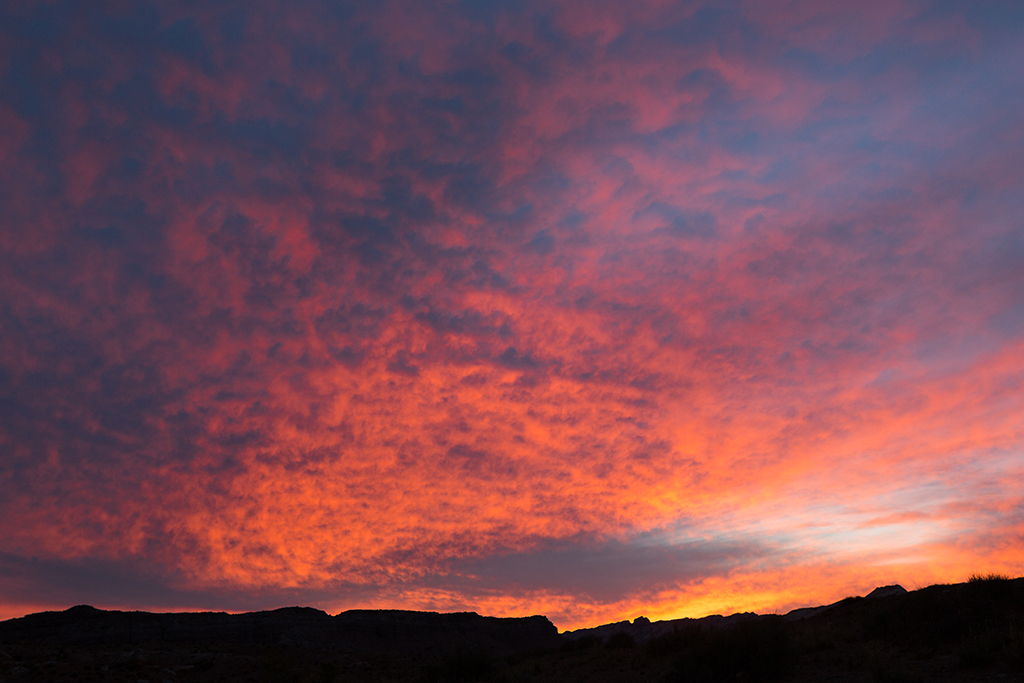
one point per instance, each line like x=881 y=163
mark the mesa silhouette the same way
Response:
x=964 y=632
x=355 y=630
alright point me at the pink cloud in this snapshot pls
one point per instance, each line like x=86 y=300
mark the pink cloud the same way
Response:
x=346 y=303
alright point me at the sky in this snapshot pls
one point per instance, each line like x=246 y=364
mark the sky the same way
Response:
x=586 y=309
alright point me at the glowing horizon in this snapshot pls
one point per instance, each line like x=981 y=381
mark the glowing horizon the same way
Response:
x=591 y=310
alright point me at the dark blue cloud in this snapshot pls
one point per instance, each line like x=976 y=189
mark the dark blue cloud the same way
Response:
x=609 y=571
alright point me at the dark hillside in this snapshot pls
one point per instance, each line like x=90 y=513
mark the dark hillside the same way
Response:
x=969 y=631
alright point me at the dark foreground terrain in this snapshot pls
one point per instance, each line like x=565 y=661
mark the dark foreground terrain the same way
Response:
x=964 y=632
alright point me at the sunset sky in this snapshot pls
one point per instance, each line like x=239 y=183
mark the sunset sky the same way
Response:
x=586 y=309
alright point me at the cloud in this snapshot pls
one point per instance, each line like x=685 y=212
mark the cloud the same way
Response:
x=606 y=572
x=405 y=305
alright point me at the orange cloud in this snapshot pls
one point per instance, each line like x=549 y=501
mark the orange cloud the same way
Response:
x=653 y=310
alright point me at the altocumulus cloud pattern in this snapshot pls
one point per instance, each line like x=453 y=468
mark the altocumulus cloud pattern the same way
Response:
x=589 y=309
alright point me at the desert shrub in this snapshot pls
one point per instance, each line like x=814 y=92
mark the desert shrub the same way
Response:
x=462 y=667
x=759 y=650
x=994 y=591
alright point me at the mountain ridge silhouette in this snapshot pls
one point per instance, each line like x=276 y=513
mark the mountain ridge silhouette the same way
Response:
x=954 y=633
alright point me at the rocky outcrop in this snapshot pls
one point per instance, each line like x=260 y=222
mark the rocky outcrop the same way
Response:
x=880 y=592
x=886 y=591
x=643 y=629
